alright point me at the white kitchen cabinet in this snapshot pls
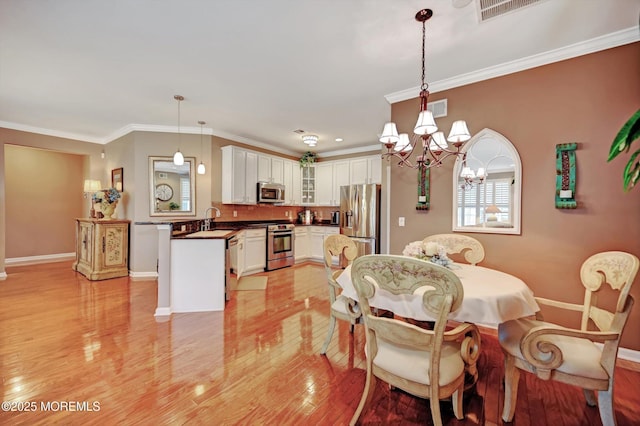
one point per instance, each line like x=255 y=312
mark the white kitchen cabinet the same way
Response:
x=341 y=177
x=365 y=170
x=324 y=184
x=264 y=168
x=292 y=182
x=303 y=243
x=277 y=170
x=374 y=168
x=270 y=169
x=255 y=250
x=359 y=171
x=317 y=235
x=238 y=256
x=308 y=185
x=239 y=175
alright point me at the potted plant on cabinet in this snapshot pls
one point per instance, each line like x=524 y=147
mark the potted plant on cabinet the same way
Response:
x=308 y=158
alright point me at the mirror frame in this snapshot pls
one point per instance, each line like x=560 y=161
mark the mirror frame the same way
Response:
x=517 y=196
x=191 y=161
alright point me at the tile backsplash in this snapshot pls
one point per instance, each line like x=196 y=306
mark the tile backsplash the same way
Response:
x=268 y=212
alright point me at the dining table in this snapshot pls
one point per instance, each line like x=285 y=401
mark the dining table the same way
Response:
x=490 y=297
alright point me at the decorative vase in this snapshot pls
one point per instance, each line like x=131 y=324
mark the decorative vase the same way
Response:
x=108 y=209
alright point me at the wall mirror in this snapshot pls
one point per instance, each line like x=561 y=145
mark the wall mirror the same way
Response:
x=487 y=185
x=172 y=189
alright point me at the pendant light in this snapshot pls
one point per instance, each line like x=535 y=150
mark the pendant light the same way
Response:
x=201 y=169
x=178 y=158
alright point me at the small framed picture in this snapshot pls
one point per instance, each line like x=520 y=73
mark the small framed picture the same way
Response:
x=117 y=179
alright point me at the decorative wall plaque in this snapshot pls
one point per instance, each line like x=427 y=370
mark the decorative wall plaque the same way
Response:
x=566 y=176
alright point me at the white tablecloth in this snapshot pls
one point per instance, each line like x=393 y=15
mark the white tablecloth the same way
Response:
x=490 y=297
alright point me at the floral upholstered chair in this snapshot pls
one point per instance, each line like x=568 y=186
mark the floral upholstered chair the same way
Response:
x=456 y=243
x=425 y=363
x=342 y=307
x=571 y=355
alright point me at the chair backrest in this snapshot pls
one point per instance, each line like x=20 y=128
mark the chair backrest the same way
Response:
x=457 y=243
x=618 y=269
x=401 y=275
x=337 y=245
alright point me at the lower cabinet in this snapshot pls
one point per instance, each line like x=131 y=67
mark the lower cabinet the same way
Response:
x=255 y=250
x=302 y=246
x=102 y=248
x=317 y=235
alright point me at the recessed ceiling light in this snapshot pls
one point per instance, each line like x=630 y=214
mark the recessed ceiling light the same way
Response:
x=339 y=139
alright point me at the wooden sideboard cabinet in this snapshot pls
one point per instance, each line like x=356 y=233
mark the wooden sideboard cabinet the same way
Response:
x=102 y=248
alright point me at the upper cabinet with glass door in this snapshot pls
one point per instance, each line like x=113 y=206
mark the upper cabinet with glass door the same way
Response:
x=487 y=186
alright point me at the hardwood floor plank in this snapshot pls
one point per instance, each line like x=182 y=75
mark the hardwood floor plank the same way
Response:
x=64 y=339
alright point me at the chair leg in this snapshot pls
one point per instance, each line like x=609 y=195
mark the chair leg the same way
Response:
x=592 y=401
x=511 y=379
x=332 y=325
x=367 y=394
x=605 y=405
x=436 y=416
x=456 y=400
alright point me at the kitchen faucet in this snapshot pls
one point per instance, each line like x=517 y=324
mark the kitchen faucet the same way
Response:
x=207 y=220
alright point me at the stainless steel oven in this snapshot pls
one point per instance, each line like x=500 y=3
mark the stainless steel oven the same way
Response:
x=280 y=241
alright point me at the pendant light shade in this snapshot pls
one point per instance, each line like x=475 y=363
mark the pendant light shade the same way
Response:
x=178 y=158
x=201 y=168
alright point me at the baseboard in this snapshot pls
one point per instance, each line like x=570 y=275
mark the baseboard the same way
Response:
x=32 y=260
x=162 y=312
x=143 y=275
x=627 y=358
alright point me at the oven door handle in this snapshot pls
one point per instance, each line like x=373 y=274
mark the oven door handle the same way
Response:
x=280 y=232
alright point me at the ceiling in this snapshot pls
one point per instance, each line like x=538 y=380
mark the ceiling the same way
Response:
x=257 y=70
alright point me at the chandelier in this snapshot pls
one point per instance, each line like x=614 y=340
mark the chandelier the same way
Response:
x=470 y=177
x=426 y=136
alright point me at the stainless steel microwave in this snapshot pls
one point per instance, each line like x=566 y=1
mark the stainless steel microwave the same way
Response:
x=270 y=192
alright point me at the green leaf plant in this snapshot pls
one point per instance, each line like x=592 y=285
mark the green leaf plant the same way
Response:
x=629 y=132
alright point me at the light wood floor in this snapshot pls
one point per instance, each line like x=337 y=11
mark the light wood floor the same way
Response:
x=96 y=344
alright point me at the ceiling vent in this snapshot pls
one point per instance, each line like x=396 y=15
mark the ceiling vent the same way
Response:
x=488 y=9
x=438 y=108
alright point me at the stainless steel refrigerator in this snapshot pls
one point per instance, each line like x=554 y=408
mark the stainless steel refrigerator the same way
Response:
x=360 y=216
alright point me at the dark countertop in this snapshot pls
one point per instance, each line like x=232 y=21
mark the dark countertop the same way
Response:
x=183 y=227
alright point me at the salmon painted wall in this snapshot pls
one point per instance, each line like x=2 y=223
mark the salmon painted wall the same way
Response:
x=584 y=100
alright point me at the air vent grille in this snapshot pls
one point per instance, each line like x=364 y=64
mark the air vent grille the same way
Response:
x=488 y=9
x=438 y=108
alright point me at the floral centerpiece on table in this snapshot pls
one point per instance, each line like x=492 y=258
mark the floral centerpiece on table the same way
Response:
x=431 y=251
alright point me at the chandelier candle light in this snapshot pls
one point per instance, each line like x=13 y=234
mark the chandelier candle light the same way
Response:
x=434 y=146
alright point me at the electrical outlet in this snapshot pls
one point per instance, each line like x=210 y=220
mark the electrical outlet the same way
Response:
x=218 y=213
x=286 y=214
x=401 y=221
x=235 y=213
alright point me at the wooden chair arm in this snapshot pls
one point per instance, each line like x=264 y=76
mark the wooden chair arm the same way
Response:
x=546 y=356
x=558 y=304
x=470 y=345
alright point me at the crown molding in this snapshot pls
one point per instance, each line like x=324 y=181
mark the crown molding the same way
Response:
x=619 y=38
x=49 y=132
x=346 y=151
